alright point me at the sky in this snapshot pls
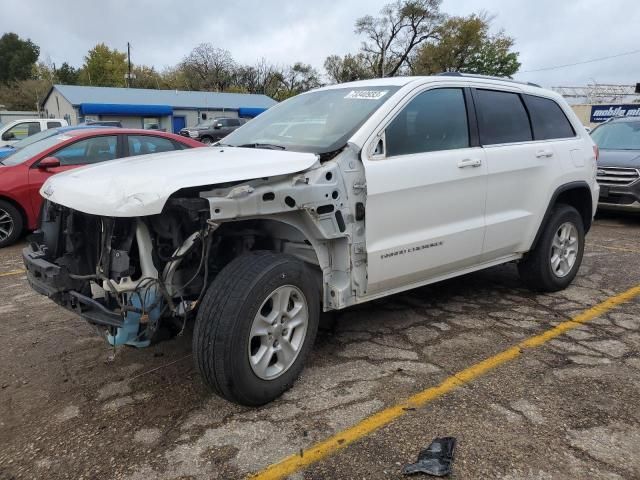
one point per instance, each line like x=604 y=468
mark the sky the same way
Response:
x=548 y=33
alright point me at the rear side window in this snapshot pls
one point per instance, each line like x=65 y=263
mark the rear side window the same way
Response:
x=434 y=120
x=502 y=118
x=53 y=125
x=548 y=119
x=145 y=144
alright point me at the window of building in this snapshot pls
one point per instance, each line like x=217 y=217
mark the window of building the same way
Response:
x=151 y=123
x=434 y=120
x=502 y=118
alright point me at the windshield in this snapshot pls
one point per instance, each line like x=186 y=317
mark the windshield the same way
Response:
x=618 y=136
x=24 y=154
x=34 y=138
x=205 y=123
x=316 y=122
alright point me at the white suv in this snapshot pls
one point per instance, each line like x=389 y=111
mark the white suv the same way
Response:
x=17 y=130
x=332 y=198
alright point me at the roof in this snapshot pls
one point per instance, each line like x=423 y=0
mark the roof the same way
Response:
x=77 y=95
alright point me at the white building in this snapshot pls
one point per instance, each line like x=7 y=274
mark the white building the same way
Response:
x=169 y=110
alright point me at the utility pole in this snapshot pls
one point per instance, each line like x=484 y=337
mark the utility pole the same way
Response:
x=129 y=61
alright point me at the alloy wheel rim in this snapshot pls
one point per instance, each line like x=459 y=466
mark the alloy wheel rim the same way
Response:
x=278 y=332
x=6 y=225
x=564 y=249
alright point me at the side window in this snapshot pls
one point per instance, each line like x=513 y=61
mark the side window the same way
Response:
x=502 y=118
x=548 y=119
x=144 y=144
x=234 y=122
x=21 y=130
x=53 y=125
x=434 y=120
x=90 y=150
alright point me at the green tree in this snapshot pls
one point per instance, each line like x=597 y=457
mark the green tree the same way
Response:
x=67 y=75
x=346 y=69
x=465 y=44
x=17 y=58
x=104 y=67
x=298 y=78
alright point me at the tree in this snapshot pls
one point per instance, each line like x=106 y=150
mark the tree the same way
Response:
x=393 y=36
x=104 y=67
x=263 y=77
x=67 y=75
x=298 y=78
x=208 y=68
x=145 y=77
x=17 y=58
x=465 y=44
x=346 y=69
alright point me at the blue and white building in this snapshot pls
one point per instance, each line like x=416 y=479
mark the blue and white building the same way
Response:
x=169 y=110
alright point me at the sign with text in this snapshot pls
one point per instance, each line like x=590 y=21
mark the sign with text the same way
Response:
x=601 y=113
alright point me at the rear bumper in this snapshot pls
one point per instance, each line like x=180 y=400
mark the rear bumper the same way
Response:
x=54 y=281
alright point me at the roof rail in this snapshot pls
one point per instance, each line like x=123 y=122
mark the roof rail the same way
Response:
x=486 y=77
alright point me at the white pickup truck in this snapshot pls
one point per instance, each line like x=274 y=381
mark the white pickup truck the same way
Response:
x=17 y=130
x=332 y=198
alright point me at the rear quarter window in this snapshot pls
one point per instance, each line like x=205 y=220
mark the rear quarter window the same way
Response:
x=548 y=119
x=502 y=117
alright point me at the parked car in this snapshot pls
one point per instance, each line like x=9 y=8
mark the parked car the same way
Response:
x=6 y=151
x=212 y=130
x=619 y=164
x=17 y=130
x=103 y=123
x=23 y=173
x=389 y=184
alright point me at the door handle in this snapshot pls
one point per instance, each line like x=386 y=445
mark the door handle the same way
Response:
x=469 y=162
x=544 y=154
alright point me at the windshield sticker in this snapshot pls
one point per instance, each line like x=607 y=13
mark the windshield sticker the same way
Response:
x=366 y=94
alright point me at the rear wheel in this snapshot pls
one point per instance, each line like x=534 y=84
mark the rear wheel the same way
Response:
x=555 y=261
x=11 y=224
x=255 y=327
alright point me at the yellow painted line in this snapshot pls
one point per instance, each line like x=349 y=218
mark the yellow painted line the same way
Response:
x=11 y=272
x=340 y=440
x=617 y=249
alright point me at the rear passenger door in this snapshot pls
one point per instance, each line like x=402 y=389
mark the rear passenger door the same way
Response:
x=523 y=164
x=426 y=189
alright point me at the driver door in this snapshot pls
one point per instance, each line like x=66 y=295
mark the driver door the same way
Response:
x=426 y=192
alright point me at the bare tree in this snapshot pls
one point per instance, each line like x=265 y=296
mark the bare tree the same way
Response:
x=208 y=68
x=392 y=36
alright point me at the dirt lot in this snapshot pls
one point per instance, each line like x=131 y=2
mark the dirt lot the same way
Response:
x=568 y=409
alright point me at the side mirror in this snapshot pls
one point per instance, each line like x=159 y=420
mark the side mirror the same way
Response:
x=8 y=136
x=48 y=162
x=217 y=126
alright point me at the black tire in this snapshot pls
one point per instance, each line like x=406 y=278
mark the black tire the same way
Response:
x=222 y=330
x=13 y=226
x=207 y=140
x=535 y=268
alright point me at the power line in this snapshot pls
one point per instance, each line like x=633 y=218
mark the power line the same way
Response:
x=581 y=63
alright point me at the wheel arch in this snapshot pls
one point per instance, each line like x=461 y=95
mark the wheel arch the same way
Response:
x=576 y=194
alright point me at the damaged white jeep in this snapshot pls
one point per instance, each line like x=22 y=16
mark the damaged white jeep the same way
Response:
x=332 y=198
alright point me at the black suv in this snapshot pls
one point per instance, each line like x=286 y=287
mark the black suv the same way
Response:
x=212 y=130
x=619 y=164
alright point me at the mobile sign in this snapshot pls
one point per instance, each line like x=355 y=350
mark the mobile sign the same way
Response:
x=601 y=113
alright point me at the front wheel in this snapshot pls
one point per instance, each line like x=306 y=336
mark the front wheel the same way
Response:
x=555 y=261
x=11 y=224
x=207 y=140
x=255 y=327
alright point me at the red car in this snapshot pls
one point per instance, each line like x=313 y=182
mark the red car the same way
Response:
x=23 y=173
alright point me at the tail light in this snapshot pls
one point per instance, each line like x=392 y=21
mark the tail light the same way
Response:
x=596 y=152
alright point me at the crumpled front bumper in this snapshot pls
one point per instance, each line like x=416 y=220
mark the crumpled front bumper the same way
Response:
x=54 y=281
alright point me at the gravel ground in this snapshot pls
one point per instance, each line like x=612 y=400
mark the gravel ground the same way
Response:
x=567 y=410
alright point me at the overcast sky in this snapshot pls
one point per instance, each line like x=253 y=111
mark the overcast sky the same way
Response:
x=547 y=32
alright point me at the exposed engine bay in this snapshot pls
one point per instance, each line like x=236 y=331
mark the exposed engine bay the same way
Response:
x=142 y=277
